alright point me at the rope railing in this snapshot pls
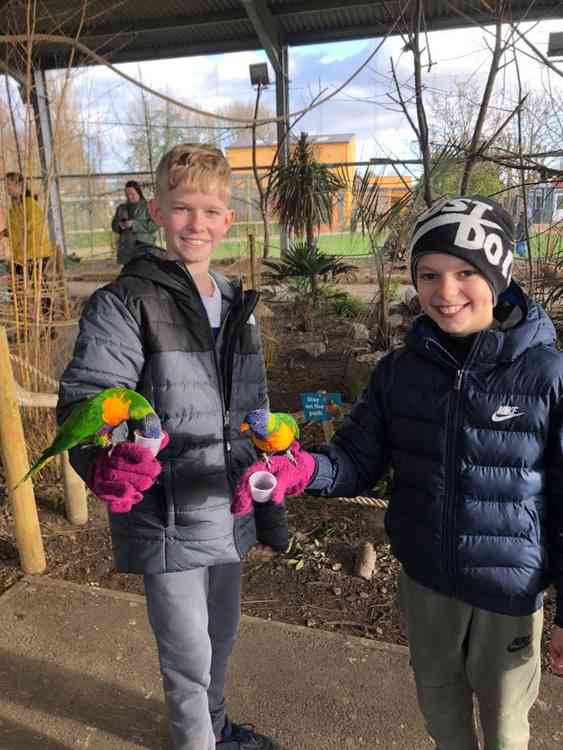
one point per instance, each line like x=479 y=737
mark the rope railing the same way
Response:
x=365 y=500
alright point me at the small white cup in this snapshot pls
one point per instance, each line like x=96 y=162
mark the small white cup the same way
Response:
x=262 y=484
x=153 y=444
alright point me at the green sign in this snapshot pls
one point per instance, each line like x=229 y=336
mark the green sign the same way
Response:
x=319 y=406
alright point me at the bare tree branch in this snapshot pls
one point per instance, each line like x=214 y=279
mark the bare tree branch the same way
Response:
x=420 y=109
x=477 y=132
x=545 y=60
x=523 y=181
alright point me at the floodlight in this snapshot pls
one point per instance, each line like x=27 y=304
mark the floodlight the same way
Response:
x=555 y=45
x=259 y=74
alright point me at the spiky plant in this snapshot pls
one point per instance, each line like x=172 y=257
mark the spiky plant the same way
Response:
x=308 y=263
x=372 y=219
x=303 y=191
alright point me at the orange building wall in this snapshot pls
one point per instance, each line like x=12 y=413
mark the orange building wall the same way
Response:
x=327 y=153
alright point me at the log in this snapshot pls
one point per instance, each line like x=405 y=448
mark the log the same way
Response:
x=365 y=561
x=76 y=502
x=16 y=465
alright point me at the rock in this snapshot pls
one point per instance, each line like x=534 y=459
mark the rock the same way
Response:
x=313 y=349
x=359 y=332
x=357 y=372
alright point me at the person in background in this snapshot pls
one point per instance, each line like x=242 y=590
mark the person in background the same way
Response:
x=521 y=244
x=4 y=245
x=4 y=258
x=133 y=223
x=28 y=232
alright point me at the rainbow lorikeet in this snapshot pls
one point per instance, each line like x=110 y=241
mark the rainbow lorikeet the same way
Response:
x=271 y=432
x=92 y=422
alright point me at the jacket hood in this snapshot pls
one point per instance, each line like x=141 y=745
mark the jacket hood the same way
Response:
x=504 y=343
x=172 y=274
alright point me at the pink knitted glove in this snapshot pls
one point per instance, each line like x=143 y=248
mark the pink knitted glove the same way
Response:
x=292 y=478
x=121 y=475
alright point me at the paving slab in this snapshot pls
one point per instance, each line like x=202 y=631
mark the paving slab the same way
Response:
x=79 y=670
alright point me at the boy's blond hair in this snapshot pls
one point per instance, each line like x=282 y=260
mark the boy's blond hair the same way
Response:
x=196 y=167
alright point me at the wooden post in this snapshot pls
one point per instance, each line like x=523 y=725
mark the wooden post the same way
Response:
x=76 y=503
x=16 y=464
x=252 y=251
x=328 y=429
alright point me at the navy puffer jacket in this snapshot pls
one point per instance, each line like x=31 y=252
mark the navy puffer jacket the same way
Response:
x=476 y=510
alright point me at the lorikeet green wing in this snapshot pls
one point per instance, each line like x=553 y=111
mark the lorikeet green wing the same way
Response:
x=271 y=432
x=89 y=419
x=288 y=422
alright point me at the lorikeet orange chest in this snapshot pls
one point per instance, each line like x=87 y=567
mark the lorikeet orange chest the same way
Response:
x=277 y=442
x=271 y=432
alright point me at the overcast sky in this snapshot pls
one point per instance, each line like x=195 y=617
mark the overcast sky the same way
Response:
x=363 y=107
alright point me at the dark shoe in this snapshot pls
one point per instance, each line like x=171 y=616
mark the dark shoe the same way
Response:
x=243 y=737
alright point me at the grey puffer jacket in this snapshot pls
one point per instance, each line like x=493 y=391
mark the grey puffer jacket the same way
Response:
x=148 y=330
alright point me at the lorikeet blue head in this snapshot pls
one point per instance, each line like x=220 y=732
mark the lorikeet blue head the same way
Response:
x=257 y=422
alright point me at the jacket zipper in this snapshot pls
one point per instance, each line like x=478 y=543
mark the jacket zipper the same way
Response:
x=449 y=540
x=226 y=375
x=448 y=530
x=225 y=400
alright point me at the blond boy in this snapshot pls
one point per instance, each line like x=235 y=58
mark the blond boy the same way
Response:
x=187 y=339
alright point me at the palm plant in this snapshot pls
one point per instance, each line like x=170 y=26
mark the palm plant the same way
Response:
x=306 y=262
x=303 y=191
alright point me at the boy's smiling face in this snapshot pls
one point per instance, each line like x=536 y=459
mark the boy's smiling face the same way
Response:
x=194 y=223
x=454 y=294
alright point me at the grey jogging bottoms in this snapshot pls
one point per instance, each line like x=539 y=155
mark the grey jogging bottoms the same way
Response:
x=195 y=615
x=458 y=651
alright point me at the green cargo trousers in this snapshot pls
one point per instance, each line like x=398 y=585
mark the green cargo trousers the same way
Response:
x=459 y=651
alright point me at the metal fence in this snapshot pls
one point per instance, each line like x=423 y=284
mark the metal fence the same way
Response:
x=89 y=203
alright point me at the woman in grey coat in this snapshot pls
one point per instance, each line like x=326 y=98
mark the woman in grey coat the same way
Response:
x=133 y=224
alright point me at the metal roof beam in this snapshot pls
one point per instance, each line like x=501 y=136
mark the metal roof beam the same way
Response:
x=319 y=6
x=123 y=54
x=267 y=30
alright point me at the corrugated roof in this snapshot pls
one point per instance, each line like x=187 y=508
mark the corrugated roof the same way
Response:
x=134 y=30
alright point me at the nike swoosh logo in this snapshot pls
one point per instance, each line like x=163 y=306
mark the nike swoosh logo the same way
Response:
x=519 y=643
x=504 y=417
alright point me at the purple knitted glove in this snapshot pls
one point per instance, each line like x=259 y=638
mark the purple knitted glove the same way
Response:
x=292 y=478
x=121 y=475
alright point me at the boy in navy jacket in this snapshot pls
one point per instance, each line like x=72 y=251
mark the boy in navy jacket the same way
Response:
x=469 y=415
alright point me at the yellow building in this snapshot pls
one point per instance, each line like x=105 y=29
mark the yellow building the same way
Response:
x=329 y=149
x=392 y=189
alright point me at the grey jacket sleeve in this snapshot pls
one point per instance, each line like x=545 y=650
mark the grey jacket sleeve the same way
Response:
x=358 y=454
x=108 y=353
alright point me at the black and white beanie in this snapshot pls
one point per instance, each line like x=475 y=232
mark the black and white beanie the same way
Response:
x=473 y=228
